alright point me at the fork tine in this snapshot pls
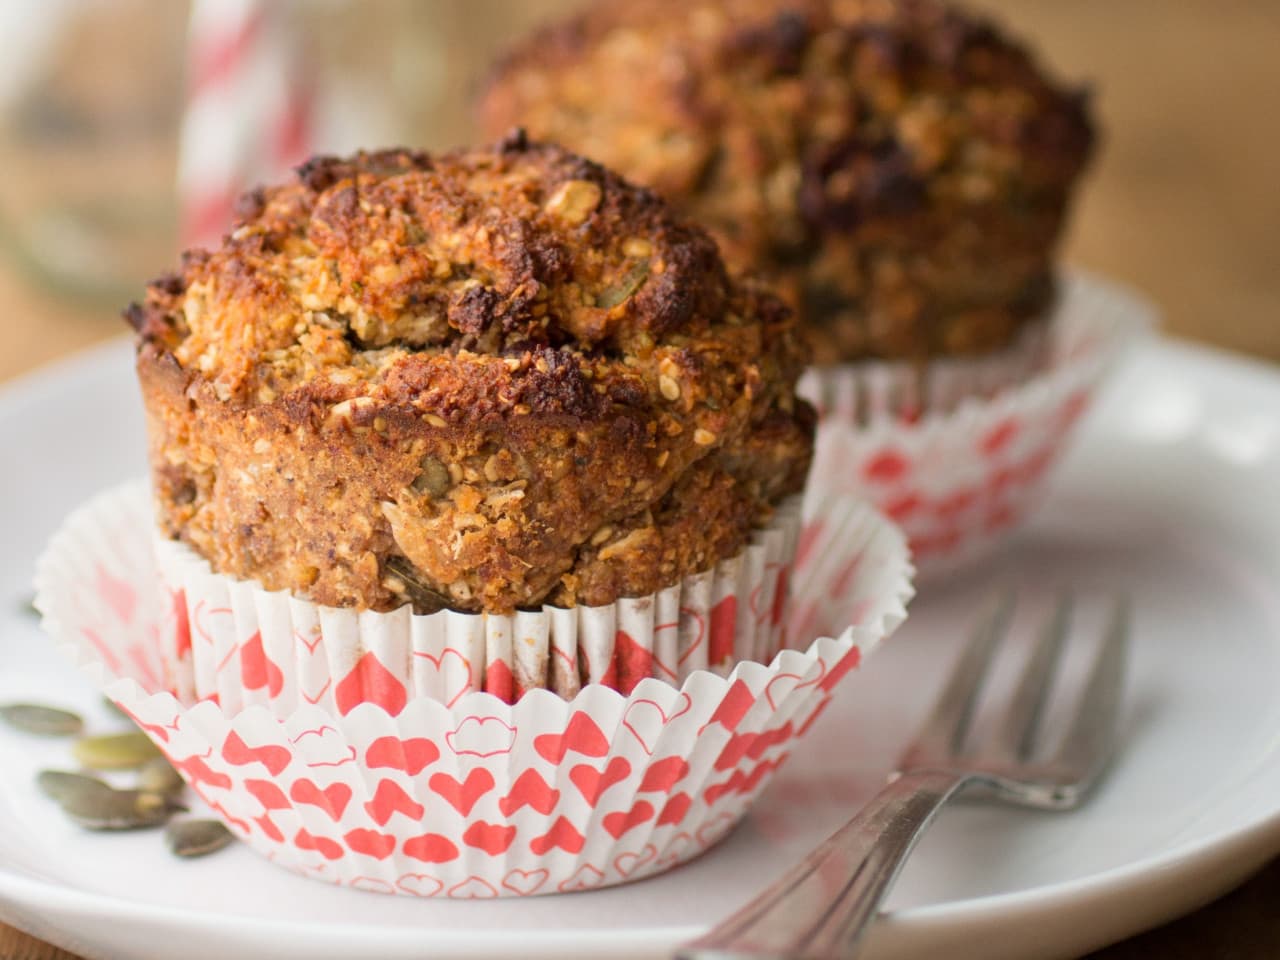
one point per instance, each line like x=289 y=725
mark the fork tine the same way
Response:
x=1016 y=736
x=943 y=733
x=1092 y=732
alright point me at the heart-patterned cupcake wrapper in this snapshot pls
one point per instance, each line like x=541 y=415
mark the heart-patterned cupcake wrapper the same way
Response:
x=961 y=476
x=477 y=798
x=233 y=641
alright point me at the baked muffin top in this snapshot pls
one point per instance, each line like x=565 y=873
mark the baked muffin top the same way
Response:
x=896 y=161
x=487 y=366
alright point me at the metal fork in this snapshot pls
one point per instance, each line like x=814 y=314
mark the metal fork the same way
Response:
x=820 y=909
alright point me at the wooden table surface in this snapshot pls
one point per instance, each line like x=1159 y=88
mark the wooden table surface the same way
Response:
x=1183 y=205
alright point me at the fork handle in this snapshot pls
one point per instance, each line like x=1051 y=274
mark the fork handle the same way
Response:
x=822 y=906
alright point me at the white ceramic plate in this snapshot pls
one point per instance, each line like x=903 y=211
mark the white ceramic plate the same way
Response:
x=1169 y=496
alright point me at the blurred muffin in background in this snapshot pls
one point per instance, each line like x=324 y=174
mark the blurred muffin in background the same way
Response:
x=899 y=170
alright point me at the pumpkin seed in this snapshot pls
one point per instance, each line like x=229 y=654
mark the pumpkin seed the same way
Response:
x=434 y=479
x=39 y=719
x=197 y=838
x=634 y=279
x=158 y=776
x=115 y=751
x=110 y=809
x=57 y=785
x=423 y=597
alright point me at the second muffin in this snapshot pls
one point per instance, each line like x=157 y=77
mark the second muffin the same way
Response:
x=485 y=380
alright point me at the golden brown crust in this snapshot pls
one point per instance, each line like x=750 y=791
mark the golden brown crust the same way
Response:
x=899 y=169
x=485 y=380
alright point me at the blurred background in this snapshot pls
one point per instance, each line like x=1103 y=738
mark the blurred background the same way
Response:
x=119 y=137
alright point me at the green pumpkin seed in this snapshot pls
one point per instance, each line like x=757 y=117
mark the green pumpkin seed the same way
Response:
x=197 y=838
x=434 y=480
x=158 y=776
x=633 y=280
x=39 y=719
x=57 y=785
x=115 y=751
x=110 y=809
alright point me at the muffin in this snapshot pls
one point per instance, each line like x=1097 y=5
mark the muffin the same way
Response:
x=899 y=169
x=485 y=380
x=490 y=381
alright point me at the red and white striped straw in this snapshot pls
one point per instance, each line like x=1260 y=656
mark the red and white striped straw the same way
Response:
x=248 y=112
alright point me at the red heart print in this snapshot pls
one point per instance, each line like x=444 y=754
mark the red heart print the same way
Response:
x=628 y=863
x=676 y=850
x=742 y=782
x=269 y=829
x=268 y=794
x=370 y=682
x=256 y=671
x=530 y=790
x=733 y=707
x=901 y=506
x=181 y=623
x=691 y=622
x=616 y=824
x=372 y=885
x=371 y=843
x=635 y=663
x=473 y=888
x=751 y=745
x=235 y=751
x=584 y=878
x=388 y=799
x=411 y=756
x=459 y=676
x=499 y=681
x=562 y=834
x=525 y=883
x=591 y=783
x=462 y=796
x=785 y=684
x=675 y=809
x=813 y=716
x=333 y=799
x=492 y=838
x=805 y=542
x=420 y=885
x=664 y=774
x=581 y=735
x=724 y=625
x=117 y=594
x=195 y=770
x=322 y=845
x=999 y=437
x=481 y=737
x=431 y=848
x=849 y=661
x=646 y=719
x=886 y=466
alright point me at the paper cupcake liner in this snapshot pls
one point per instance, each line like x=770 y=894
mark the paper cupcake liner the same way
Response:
x=478 y=797
x=960 y=479
x=880 y=390
x=234 y=642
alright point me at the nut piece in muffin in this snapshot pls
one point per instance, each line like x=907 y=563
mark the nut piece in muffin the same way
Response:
x=485 y=380
x=898 y=168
